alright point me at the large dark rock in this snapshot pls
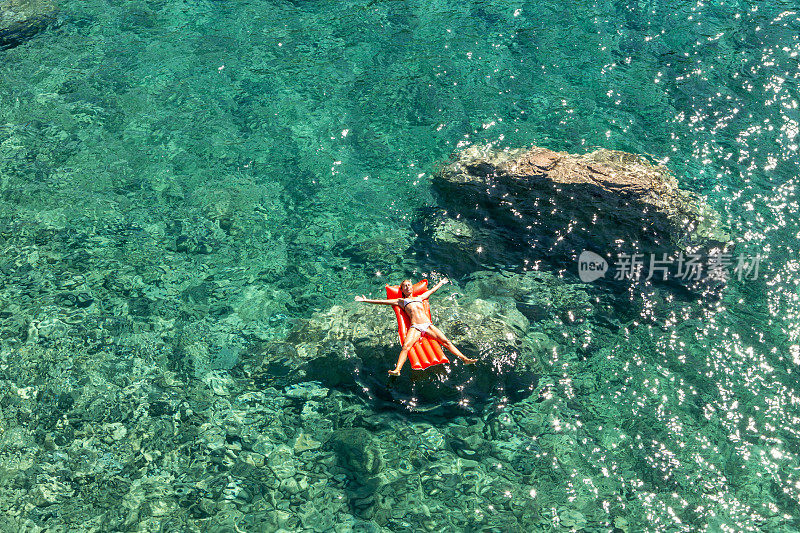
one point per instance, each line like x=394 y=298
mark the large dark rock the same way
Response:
x=22 y=19
x=524 y=206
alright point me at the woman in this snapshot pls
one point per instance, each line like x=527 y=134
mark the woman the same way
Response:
x=415 y=310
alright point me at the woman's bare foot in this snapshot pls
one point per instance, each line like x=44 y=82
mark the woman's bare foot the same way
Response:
x=394 y=372
x=468 y=361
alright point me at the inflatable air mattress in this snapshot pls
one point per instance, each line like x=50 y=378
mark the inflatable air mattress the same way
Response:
x=426 y=351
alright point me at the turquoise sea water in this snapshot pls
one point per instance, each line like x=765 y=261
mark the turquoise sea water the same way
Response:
x=183 y=183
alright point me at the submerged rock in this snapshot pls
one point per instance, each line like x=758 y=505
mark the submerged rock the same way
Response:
x=537 y=204
x=503 y=319
x=22 y=19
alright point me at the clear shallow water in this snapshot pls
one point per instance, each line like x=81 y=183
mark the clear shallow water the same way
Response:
x=291 y=146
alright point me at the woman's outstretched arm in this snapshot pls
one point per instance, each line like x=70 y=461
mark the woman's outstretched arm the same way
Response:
x=435 y=288
x=384 y=302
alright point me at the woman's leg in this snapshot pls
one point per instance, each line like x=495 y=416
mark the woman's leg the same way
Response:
x=436 y=334
x=412 y=335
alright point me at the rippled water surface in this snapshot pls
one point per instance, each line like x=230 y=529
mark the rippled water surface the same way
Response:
x=191 y=193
